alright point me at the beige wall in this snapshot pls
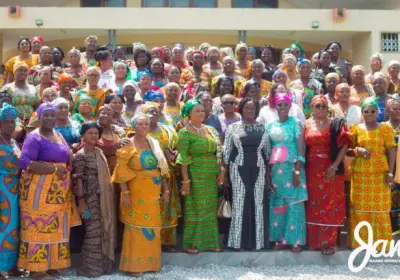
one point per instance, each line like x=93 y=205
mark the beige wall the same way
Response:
x=133 y=3
x=362 y=48
x=73 y=3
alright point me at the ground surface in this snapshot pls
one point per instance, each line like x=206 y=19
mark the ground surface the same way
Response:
x=213 y=272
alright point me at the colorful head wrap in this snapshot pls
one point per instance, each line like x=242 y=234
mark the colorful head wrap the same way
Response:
x=277 y=72
x=299 y=46
x=319 y=99
x=285 y=97
x=64 y=77
x=149 y=105
x=8 y=112
x=19 y=64
x=287 y=56
x=332 y=75
x=204 y=46
x=80 y=99
x=160 y=52
x=36 y=38
x=153 y=95
x=188 y=107
x=340 y=86
x=357 y=68
x=253 y=50
x=59 y=101
x=369 y=101
x=380 y=75
x=303 y=61
x=128 y=76
x=45 y=107
x=391 y=63
x=201 y=53
x=139 y=117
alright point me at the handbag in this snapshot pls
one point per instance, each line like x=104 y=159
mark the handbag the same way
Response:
x=224 y=208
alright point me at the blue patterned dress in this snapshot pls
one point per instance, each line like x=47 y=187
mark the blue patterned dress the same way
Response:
x=71 y=132
x=287 y=217
x=9 y=211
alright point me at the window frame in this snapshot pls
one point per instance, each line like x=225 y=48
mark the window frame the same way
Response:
x=255 y=3
x=103 y=4
x=191 y=5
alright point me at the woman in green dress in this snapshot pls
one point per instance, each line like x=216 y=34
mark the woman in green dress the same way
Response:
x=201 y=170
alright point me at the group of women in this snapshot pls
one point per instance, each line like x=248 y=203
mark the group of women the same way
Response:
x=126 y=148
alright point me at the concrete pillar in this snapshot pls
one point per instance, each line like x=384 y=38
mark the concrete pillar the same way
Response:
x=133 y=3
x=363 y=47
x=224 y=3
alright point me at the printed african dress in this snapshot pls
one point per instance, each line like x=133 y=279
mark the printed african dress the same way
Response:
x=370 y=197
x=287 y=216
x=9 y=206
x=141 y=245
x=326 y=205
x=202 y=156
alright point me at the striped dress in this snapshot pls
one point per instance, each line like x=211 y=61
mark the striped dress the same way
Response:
x=202 y=155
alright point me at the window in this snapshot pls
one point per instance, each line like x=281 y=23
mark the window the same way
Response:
x=390 y=42
x=180 y=3
x=254 y=3
x=103 y=3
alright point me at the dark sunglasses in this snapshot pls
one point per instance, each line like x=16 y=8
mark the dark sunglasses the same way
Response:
x=228 y=102
x=321 y=106
x=370 y=112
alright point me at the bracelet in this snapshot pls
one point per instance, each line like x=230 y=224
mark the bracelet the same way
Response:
x=125 y=192
x=166 y=191
x=390 y=174
x=55 y=168
x=222 y=168
x=332 y=167
x=185 y=182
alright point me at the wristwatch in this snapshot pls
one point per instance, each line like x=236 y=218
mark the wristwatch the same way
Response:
x=297 y=172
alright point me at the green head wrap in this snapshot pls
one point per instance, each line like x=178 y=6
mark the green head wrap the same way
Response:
x=128 y=76
x=369 y=101
x=300 y=47
x=188 y=107
x=80 y=99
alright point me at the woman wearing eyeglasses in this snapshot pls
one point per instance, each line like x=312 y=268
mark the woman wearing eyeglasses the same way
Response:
x=229 y=116
x=327 y=142
x=371 y=175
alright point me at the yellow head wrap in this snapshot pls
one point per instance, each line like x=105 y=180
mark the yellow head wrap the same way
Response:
x=19 y=64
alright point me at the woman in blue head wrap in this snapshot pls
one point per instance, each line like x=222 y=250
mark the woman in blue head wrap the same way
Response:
x=251 y=53
x=9 y=176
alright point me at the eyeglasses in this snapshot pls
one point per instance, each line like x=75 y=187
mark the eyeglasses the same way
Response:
x=369 y=112
x=228 y=102
x=321 y=106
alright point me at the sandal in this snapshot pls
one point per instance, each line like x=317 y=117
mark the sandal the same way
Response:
x=296 y=249
x=278 y=246
x=136 y=274
x=328 y=251
x=216 y=250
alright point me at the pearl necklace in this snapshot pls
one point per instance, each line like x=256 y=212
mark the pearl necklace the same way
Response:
x=198 y=130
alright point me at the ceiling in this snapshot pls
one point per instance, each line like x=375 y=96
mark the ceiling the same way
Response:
x=348 y=4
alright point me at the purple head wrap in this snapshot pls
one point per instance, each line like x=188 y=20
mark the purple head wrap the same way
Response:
x=277 y=72
x=45 y=107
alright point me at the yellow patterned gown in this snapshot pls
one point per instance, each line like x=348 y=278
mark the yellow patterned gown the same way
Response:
x=141 y=245
x=370 y=197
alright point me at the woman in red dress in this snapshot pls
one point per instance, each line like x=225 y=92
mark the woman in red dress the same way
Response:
x=327 y=143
